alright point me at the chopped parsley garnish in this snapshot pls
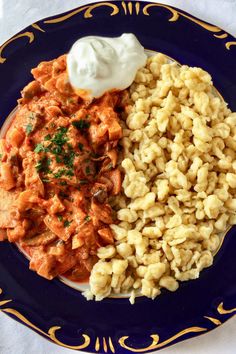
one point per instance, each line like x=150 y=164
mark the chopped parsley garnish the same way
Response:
x=60 y=138
x=58 y=159
x=0 y=156
x=81 y=124
x=69 y=172
x=70 y=147
x=110 y=166
x=87 y=170
x=63 y=153
x=60 y=217
x=63 y=183
x=47 y=137
x=28 y=129
x=32 y=115
x=63 y=172
x=70 y=100
x=80 y=146
x=67 y=223
x=43 y=165
x=59 y=173
x=52 y=125
x=68 y=159
x=87 y=218
x=40 y=148
x=56 y=150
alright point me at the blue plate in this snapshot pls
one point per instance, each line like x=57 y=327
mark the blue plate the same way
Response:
x=50 y=308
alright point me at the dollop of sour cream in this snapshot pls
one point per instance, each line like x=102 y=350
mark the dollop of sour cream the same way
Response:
x=99 y=64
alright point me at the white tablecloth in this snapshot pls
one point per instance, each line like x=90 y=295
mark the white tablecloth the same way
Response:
x=14 y=16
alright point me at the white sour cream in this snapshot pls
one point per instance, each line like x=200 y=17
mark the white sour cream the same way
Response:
x=99 y=64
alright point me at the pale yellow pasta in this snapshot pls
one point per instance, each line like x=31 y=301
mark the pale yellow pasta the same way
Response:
x=179 y=189
x=169 y=283
x=106 y=252
x=143 y=203
x=124 y=250
x=119 y=232
x=127 y=215
x=119 y=266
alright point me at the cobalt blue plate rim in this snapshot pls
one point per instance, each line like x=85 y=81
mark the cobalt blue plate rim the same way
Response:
x=59 y=313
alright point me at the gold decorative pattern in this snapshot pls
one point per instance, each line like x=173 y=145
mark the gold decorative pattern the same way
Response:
x=23 y=319
x=51 y=332
x=214 y=320
x=52 y=335
x=222 y=311
x=229 y=44
x=111 y=345
x=88 y=12
x=124 y=7
x=137 y=7
x=30 y=35
x=4 y=302
x=104 y=344
x=174 y=12
x=221 y=36
x=129 y=8
x=97 y=344
x=155 y=340
x=107 y=343
x=36 y=26
x=66 y=17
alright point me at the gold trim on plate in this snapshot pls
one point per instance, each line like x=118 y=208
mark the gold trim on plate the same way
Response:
x=107 y=343
x=111 y=345
x=123 y=4
x=130 y=8
x=229 y=44
x=137 y=7
x=223 y=311
x=221 y=36
x=155 y=340
x=176 y=14
x=30 y=35
x=88 y=12
x=214 y=320
x=52 y=335
x=104 y=344
x=51 y=332
x=36 y=26
x=97 y=344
